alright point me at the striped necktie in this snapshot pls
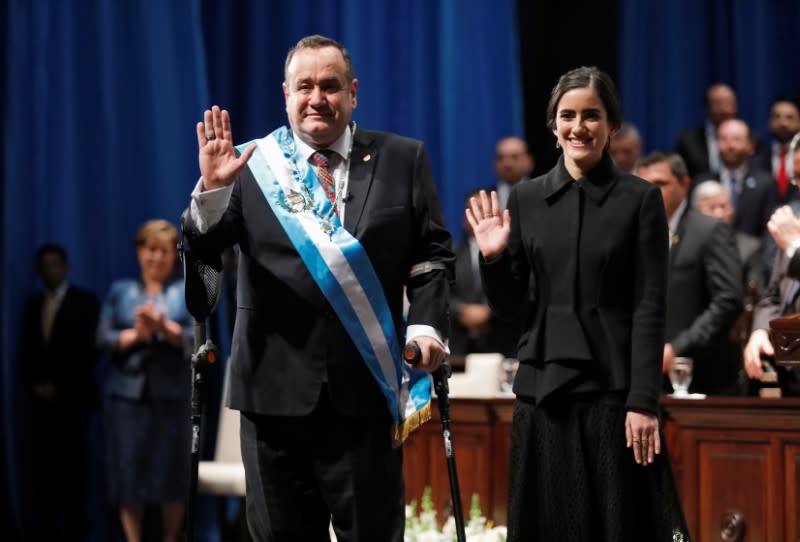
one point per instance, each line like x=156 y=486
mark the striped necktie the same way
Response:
x=322 y=159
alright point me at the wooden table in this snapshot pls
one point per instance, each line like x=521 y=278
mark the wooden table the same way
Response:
x=728 y=454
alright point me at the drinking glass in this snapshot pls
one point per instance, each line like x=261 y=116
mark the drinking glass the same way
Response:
x=680 y=375
x=508 y=370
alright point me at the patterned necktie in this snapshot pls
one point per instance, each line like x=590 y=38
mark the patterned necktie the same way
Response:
x=322 y=159
x=783 y=176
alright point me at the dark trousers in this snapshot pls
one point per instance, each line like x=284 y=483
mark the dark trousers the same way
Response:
x=303 y=472
x=59 y=460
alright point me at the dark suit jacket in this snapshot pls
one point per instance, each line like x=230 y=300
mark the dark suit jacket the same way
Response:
x=762 y=161
x=692 y=146
x=68 y=359
x=502 y=336
x=585 y=270
x=757 y=200
x=287 y=340
x=705 y=298
x=751 y=258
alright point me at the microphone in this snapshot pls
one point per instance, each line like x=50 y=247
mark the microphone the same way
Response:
x=202 y=279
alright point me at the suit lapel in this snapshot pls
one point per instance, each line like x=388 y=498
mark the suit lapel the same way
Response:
x=362 y=166
x=678 y=237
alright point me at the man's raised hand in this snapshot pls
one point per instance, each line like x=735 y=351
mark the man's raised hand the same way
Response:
x=219 y=164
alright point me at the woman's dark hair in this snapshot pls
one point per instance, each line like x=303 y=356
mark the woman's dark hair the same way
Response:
x=586 y=77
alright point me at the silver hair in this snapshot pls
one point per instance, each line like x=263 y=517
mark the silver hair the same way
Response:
x=708 y=189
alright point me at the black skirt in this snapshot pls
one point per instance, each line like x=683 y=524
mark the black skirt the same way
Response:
x=573 y=479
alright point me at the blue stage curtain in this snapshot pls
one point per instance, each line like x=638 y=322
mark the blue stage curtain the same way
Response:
x=670 y=52
x=101 y=99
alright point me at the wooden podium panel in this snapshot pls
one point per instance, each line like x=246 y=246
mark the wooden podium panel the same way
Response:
x=737 y=455
x=724 y=464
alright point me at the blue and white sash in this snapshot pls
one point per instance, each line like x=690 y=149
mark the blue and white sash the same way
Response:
x=341 y=268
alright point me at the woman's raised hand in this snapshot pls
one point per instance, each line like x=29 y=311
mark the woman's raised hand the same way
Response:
x=219 y=164
x=490 y=227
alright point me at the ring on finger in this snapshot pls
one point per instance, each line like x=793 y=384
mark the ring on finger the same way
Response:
x=211 y=137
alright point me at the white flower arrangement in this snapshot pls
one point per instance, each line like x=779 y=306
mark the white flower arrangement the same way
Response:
x=423 y=527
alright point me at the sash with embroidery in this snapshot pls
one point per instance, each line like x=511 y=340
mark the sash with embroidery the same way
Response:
x=341 y=268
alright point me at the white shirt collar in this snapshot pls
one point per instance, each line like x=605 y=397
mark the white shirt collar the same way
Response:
x=341 y=146
x=676 y=217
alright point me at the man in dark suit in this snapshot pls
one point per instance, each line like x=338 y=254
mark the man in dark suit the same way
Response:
x=753 y=192
x=474 y=327
x=58 y=362
x=781 y=296
x=784 y=123
x=698 y=145
x=704 y=292
x=513 y=163
x=332 y=222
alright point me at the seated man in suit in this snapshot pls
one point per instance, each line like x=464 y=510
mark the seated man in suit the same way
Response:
x=333 y=221
x=753 y=191
x=784 y=123
x=512 y=163
x=781 y=296
x=713 y=199
x=698 y=145
x=473 y=326
x=704 y=292
x=626 y=147
x=58 y=364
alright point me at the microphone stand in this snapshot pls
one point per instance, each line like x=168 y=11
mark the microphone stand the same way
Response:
x=205 y=353
x=203 y=286
x=412 y=356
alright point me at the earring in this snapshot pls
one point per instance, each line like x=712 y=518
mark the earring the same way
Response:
x=558 y=144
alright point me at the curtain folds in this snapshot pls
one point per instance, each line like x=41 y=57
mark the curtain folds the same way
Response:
x=670 y=52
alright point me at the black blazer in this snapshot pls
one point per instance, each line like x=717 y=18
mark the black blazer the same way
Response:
x=705 y=298
x=585 y=270
x=67 y=359
x=757 y=200
x=287 y=341
x=502 y=335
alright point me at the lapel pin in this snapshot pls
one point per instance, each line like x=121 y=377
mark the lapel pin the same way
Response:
x=676 y=239
x=367 y=158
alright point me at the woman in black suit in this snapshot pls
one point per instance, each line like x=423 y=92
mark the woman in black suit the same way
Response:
x=580 y=257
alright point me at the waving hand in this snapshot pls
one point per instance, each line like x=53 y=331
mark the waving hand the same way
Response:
x=219 y=164
x=491 y=228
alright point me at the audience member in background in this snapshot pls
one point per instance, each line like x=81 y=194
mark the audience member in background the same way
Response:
x=782 y=292
x=58 y=363
x=713 y=199
x=753 y=191
x=704 y=293
x=698 y=145
x=146 y=328
x=473 y=327
x=626 y=148
x=512 y=163
x=784 y=123
x=580 y=258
